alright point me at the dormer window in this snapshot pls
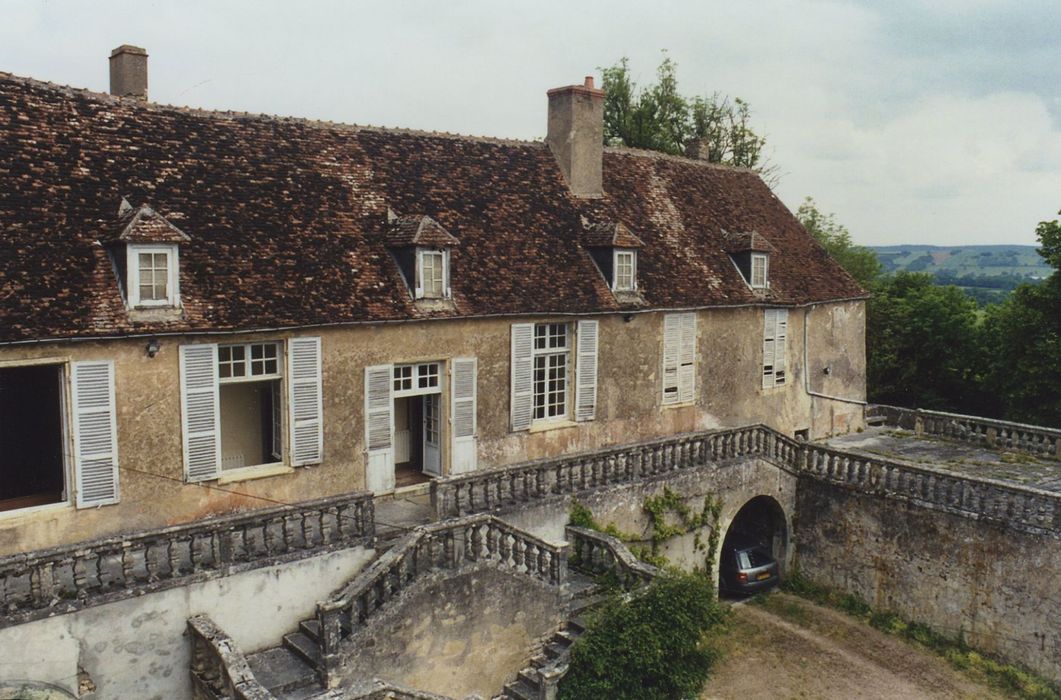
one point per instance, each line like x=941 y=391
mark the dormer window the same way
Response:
x=625 y=271
x=760 y=268
x=145 y=248
x=152 y=275
x=433 y=273
x=750 y=252
x=421 y=247
x=613 y=248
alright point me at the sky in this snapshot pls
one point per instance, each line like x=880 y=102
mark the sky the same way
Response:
x=914 y=122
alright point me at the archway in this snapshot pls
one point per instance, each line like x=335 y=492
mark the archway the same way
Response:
x=761 y=521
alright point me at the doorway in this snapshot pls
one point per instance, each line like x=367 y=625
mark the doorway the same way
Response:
x=417 y=439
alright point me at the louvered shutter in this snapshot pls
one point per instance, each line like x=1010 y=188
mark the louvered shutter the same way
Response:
x=462 y=415
x=769 y=328
x=379 y=428
x=201 y=412
x=522 y=375
x=95 y=434
x=419 y=290
x=586 y=371
x=780 y=347
x=304 y=373
x=672 y=336
x=687 y=359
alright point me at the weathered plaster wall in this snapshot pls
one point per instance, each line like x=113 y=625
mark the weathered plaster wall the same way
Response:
x=630 y=408
x=137 y=648
x=455 y=635
x=996 y=586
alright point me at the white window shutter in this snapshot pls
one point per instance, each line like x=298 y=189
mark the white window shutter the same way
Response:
x=769 y=328
x=419 y=291
x=201 y=412
x=95 y=434
x=446 y=273
x=379 y=428
x=586 y=371
x=522 y=375
x=672 y=330
x=687 y=359
x=780 y=346
x=462 y=414
x=307 y=424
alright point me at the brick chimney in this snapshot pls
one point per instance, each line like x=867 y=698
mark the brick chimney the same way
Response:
x=576 y=136
x=129 y=72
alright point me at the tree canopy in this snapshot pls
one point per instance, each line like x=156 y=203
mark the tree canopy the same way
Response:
x=859 y=261
x=659 y=118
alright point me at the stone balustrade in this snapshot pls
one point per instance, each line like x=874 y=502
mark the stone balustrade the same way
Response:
x=218 y=667
x=975 y=430
x=595 y=553
x=448 y=545
x=1024 y=507
x=493 y=489
x=52 y=581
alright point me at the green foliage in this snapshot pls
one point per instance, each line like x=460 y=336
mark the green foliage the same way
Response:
x=653 y=646
x=1049 y=235
x=659 y=118
x=924 y=346
x=1007 y=677
x=859 y=261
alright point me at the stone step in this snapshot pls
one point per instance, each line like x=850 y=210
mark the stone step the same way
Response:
x=282 y=671
x=521 y=691
x=553 y=650
x=311 y=628
x=528 y=676
x=305 y=647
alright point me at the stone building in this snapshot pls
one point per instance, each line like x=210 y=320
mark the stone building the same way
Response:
x=210 y=312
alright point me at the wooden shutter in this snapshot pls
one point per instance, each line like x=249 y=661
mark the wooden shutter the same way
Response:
x=419 y=286
x=672 y=336
x=462 y=414
x=522 y=375
x=780 y=347
x=307 y=425
x=586 y=371
x=379 y=428
x=95 y=434
x=769 y=329
x=201 y=412
x=687 y=359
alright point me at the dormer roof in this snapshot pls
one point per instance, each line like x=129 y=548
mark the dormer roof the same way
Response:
x=750 y=241
x=609 y=234
x=143 y=224
x=419 y=230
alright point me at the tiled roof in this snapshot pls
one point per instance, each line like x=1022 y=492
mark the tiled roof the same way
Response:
x=419 y=229
x=743 y=242
x=288 y=220
x=143 y=224
x=609 y=234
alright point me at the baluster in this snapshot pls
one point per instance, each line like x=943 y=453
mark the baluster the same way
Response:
x=128 y=564
x=174 y=557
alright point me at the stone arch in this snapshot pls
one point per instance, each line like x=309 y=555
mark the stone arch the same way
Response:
x=763 y=519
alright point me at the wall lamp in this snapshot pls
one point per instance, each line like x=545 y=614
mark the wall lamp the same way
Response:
x=627 y=318
x=153 y=346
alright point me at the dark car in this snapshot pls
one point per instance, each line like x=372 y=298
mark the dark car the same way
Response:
x=747 y=568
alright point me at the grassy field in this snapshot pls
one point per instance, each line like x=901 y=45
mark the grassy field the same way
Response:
x=965 y=261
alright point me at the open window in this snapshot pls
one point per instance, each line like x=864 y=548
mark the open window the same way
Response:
x=32 y=464
x=250 y=378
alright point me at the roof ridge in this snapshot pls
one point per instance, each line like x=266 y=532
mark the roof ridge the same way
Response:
x=659 y=155
x=260 y=116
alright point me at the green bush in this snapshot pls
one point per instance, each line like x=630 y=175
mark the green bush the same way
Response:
x=652 y=646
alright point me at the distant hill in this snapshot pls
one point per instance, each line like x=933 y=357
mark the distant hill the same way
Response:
x=954 y=262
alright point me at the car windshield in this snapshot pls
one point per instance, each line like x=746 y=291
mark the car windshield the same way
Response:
x=751 y=558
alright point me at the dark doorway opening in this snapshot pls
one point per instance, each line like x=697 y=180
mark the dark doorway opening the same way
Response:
x=759 y=523
x=31 y=436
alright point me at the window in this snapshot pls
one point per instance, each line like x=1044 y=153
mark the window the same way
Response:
x=760 y=269
x=679 y=358
x=152 y=276
x=550 y=367
x=250 y=394
x=775 y=347
x=413 y=380
x=32 y=468
x=433 y=269
x=625 y=267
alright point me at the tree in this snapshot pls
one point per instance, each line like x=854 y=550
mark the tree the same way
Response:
x=859 y=261
x=1023 y=336
x=924 y=346
x=658 y=118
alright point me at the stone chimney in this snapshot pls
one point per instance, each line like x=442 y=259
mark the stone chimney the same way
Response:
x=576 y=136
x=129 y=72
